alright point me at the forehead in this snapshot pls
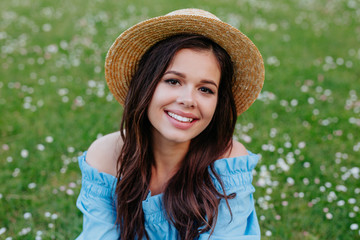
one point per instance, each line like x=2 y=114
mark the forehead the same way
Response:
x=196 y=63
x=187 y=55
x=195 y=51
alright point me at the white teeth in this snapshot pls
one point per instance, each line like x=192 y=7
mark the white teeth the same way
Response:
x=179 y=118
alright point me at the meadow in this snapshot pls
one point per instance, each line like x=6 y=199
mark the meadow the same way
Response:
x=305 y=124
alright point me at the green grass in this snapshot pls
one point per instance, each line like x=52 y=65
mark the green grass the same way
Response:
x=52 y=85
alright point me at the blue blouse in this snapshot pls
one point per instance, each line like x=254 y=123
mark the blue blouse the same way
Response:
x=96 y=202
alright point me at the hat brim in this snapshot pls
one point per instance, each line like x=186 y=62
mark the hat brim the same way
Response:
x=124 y=55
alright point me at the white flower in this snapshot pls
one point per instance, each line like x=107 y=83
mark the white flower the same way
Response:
x=27 y=215
x=354 y=226
x=2 y=230
x=329 y=216
x=49 y=139
x=290 y=181
x=24 y=153
x=40 y=147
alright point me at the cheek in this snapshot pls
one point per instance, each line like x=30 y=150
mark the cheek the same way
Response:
x=210 y=109
x=161 y=95
x=159 y=99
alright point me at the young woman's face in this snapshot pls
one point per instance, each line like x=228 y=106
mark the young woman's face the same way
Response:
x=185 y=99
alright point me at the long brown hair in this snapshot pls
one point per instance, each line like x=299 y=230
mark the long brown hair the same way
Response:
x=190 y=198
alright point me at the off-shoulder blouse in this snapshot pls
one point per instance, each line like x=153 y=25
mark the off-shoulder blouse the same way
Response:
x=97 y=203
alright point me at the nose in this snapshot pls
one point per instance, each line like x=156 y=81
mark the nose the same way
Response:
x=187 y=98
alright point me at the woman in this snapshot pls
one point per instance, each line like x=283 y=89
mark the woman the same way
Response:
x=173 y=170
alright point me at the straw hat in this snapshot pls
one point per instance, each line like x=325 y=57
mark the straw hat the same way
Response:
x=125 y=53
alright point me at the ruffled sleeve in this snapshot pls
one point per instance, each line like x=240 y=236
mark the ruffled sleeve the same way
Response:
x=236 y=175
x=96 y=202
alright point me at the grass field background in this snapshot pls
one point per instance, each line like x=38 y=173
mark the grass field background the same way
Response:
x=306 y=123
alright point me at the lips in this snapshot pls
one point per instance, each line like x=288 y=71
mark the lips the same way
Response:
x=181 y=117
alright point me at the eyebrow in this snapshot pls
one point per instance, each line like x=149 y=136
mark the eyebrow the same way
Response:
x=183 y=76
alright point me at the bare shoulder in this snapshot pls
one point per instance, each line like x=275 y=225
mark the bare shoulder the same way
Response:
x=103 y=153
x=237 y=150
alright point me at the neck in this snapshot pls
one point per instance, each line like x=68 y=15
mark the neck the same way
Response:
x=169 y=156
x=167 y=159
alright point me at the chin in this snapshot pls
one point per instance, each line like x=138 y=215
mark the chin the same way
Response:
x=179 y=138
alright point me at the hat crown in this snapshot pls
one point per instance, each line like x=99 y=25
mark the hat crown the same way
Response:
x=193 y=11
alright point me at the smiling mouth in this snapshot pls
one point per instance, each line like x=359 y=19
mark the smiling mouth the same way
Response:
x=180 y=118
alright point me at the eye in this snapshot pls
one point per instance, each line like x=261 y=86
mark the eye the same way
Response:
x=172 y=81
x=206 y=90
